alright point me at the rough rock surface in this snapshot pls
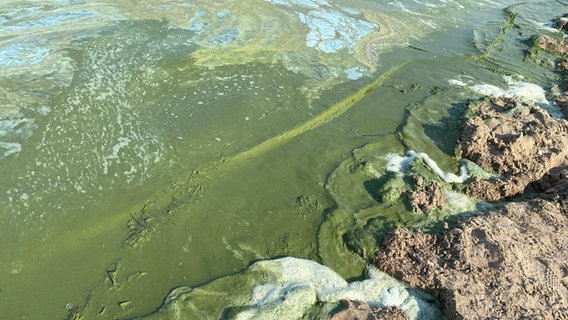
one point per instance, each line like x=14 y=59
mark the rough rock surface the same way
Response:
x=426 y=197
x=507 y=264
x=519 y=141
x=558 y=46
x=354 y=310
x=562 y=24
x=562 y=100
x=510 y=262
x=554 y=186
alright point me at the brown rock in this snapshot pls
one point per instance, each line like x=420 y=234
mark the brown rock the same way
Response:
x=519 y=141
x=562 y=102
x=556 y=46
x=553 y=186
x=562 y=24
x=562 y=65
x=355 y=310
x=426 y=197
x=507 y=264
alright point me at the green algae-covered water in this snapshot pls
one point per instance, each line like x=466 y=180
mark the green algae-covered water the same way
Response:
x=147 y=145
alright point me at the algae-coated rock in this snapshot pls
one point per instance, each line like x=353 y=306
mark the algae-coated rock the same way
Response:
x=391 y=188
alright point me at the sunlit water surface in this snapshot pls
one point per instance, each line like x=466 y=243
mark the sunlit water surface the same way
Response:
x=145 y=146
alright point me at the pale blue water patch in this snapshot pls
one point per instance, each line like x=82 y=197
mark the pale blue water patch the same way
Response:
x=17 y=123
x=330 y=29
x=350 y=11
x=197 y=23
x=15 y=128
x=317 y=39
x=306 y=4
x=16 y=13
x=202 y=13
x=47 y=21
x=64 y=2
x=30 y=75
x=226 y=37
x=354 y=73
x=223 y=13
x=19 y=55
x=9 y=148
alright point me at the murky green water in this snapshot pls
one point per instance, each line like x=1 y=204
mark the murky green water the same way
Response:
x=146 y=146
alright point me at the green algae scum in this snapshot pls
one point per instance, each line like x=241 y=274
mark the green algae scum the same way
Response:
x=238 y=159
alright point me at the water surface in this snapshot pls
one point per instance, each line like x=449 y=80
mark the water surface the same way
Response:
x=145 y=146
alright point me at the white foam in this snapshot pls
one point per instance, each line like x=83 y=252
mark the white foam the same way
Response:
x=515 y=89
x=521 y=90
x=301 y=283
x=528 y=91
x=457 y=202
x=446 y=176
x=403 y=8
x=456 y=82
x=396 y=163
x=525 y=91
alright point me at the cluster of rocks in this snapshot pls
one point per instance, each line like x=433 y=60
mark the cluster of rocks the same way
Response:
x=508 y=262
x=505 y=264
x=426 y=197
x=521 y=142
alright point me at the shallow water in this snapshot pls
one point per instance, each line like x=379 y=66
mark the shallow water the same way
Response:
x=146 y=146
